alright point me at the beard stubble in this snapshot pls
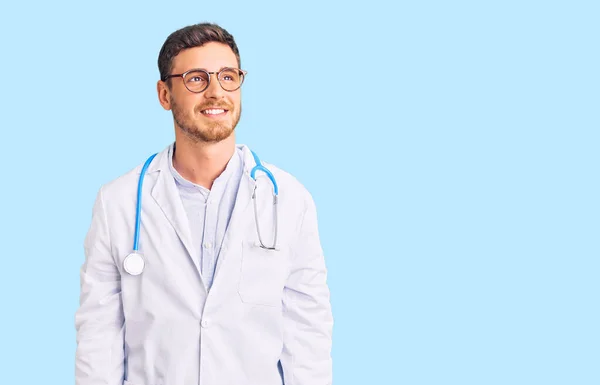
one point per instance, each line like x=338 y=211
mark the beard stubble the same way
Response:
x=207 y=132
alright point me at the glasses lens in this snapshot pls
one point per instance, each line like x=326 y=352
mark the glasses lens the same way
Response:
x=196 y=81
x=231 y=79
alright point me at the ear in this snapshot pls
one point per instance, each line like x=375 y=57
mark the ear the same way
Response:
x=164 y=95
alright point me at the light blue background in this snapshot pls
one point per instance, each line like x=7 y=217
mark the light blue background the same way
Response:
x=451 y=148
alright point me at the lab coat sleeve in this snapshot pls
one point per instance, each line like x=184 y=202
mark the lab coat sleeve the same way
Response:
x=99 y=320
x=308 y=321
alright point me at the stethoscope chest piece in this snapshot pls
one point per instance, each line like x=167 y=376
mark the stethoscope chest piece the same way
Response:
x=134 y=264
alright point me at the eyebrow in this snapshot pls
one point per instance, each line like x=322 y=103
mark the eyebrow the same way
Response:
x=201 y=68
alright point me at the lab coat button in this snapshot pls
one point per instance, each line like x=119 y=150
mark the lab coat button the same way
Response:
x=204 y=323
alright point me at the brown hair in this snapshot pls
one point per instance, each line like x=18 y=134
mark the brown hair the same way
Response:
x=189 y=37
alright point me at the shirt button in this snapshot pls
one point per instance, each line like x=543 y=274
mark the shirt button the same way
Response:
x=207 y=245
x=204 y=323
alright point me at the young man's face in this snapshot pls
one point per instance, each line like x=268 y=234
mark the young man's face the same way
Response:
x=211 y=115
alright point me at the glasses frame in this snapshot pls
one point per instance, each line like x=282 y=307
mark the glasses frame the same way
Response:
x=217 y=73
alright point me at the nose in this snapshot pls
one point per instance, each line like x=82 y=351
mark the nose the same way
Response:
x=214 y=89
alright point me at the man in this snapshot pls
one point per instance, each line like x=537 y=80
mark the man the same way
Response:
x=218 y=291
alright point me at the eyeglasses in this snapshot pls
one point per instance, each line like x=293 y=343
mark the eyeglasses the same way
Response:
x=197 y=80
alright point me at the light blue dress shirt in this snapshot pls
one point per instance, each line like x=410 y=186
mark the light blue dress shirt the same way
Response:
x=209 y=211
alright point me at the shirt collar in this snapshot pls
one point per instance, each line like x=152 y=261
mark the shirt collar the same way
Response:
x=233 y=164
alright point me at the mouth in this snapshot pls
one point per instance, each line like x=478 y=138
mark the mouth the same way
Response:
x=214 y=112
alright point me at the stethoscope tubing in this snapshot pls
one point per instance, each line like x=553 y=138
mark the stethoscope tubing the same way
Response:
x=138 y=209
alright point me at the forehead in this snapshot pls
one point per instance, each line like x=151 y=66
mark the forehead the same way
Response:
x=211 y=56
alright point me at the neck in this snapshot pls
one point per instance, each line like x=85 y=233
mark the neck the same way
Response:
x=201 y=163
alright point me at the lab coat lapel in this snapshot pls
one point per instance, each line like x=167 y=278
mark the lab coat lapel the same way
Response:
x=241 y=215
x=167 y=197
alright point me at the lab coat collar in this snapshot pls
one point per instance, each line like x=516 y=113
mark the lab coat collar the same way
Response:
x=162 y=159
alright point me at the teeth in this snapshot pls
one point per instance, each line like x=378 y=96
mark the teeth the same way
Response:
x=213 y=111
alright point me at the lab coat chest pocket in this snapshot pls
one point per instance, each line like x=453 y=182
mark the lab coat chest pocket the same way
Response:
x=263 y=274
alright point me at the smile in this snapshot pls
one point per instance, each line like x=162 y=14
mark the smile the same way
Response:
x=214 y=111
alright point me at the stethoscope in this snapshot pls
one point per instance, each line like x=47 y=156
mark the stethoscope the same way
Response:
x=134 y=262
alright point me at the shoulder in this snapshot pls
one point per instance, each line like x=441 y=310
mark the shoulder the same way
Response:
x=119 y=191
x=290 y=187
x=124 y=188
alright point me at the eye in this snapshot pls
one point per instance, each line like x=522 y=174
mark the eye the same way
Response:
x=229 y=76
x=196 y=77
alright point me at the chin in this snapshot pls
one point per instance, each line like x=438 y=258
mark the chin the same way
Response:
x=217 y=136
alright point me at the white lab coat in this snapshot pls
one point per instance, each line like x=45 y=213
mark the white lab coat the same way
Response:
x=267 y=315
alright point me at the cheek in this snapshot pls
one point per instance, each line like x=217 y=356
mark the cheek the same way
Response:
x=186 y=105
x=236 y=100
